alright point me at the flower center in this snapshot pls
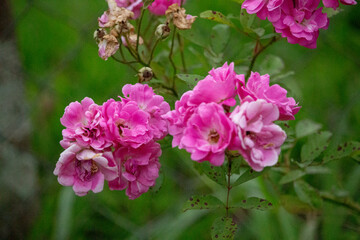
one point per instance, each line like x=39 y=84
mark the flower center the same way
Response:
x=213 y=137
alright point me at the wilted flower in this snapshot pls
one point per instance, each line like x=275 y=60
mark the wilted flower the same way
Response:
x=177 y=15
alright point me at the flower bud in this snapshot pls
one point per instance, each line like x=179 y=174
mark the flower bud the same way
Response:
x=162 y=31
x=145 y=74
x=99 y=34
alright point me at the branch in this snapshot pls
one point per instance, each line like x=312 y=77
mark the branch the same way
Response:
x=345 y=202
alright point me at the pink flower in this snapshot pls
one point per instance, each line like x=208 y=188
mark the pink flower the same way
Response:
x=158 y=7
x=260 y=138
x=335 y=3
x=257 y=87
x=151 y=103
x=177 y=119
x=85 y=169
x=218 y=87
x=132 y=5
x=264 y=8
x=125 y=123
x=138 y=169
x=301 y=24
x=82 y=122
x=108 y=46
x=208 y=133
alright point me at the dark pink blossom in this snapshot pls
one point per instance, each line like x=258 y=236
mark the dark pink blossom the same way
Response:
x=85 y=169
x=335 y=3
x=270 y=9
x=159 y=7
x=260 y=138
x=138 y=169
x=132 y=5
x=257 y=87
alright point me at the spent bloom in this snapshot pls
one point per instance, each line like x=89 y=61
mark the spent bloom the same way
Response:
x=260 y=138
x=132 y=5
x=178 y=16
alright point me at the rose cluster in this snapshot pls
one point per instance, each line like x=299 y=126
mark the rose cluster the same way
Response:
x=297 y=20
x=115 y=142
x=204 y=125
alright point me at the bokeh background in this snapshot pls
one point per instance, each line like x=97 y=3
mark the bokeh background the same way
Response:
x=48 y=58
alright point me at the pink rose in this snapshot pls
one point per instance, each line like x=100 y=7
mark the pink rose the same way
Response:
x=158 y=7
x=264 y=8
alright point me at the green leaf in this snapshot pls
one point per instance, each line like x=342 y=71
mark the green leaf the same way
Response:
x=307 y=194
x=223 y=228
x=217 y=174
x=331 y=12
x=306 y=127
x=246 y=20
x=254 y=203
x=272 y=65
x=159 y=182
x=317 y=170
x=219 y=38
x=347 y=149
x=217 y=17
x=293 y=205
x=247 y=176
x=236 y=165
x=292 y=176
x=270 y=35
x=316 y=144
x=147 y=3
x=195 y=36
x=202 y=202
x=190 y=79
x=239 y=1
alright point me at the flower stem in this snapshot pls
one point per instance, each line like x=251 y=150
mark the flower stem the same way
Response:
x=182 y=52
x=153 y=50
x=170 y=56
x=138 y=30
x=228 y=185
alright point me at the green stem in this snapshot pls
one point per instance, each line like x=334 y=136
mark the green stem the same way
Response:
x=182 y=52
x=153 y=50
x=138 y=31
x=170 y=56
x=346 y=202
x=228 y=185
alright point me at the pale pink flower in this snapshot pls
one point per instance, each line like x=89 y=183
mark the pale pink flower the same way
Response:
x=208 y=133
x=138 y=169
x=219 y=86
x=82 y=122
x=125 y=123
x=177 y=119
x=132 y=5
x=85 y=169
x=260 y=138
x=151 y=103
x=257 y=87
x=159 y=7
x=335 y=3
x=270 y=9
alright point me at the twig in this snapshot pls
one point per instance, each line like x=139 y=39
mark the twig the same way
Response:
x=170 y=56
x=182 y=52
x=138 y=31
x=346 y=202
x=153 y=50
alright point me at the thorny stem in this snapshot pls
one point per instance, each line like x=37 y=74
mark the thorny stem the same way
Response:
x=228 y=185
x=170 y=56
x=257 y=53
x=346 y=202
x=182 y=52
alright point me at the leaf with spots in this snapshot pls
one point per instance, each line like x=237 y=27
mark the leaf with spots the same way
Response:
x=223 y=228
x=347 y=149
x=217 y=174
x=190 y=79
x=254 y=203
x=247 y=176
x=197 y=202
x=292 y=204
x=316 y=144
x=247 y=20
x=292 y=176
x=307 y=194
x=217 y=17
x=219 y=38
x=306 y=127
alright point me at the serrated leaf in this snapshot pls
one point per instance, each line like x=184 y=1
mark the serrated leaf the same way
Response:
x=292 y=176
x=217 y=17
x=223 y=228
x=307 y=194
x=217 y=174
x=347 y=149
x=293 y=205
x=306 y=127
x=190 y=79
x=197 y=202
x=316 y=144
x=254 y=203
x=272 y=65
x=247 y=176
x=219 y=38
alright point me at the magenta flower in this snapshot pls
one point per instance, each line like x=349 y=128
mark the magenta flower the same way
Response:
x=270 y=9
x=132 y=5
x=260 y=138
x=218 y=87
x=151 y=103
x=177 y=119
x=85 y=169
x=158 y=7
x=125 y=123
x=138 y=169
x=335 y=3
x=82 y=122
x=208 y=133
x=257 y=87
x=301 y=24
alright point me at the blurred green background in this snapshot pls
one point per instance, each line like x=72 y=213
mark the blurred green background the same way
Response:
x=60 y=65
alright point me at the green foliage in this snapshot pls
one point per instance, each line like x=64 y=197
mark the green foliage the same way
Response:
x=217 y=174
x=223 y=228
x=316 y=144
x=272 y=65
x=254 y=203
x=307 y=194
x=220 y=36
x=217 y=17
x=347 y=149
x=190 y=79
x=248 y=175
x=292 y=176
x=197 y=202
x=306 y=127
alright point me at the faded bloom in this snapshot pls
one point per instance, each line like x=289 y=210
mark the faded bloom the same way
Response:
x=85 y=169
x=260 y=138
x=162 y=31
x=132 y=5
x=257 y=87
x=180 y=19
x=108 y=46
x=115 y=15
x=208 y=133
x=138 y=169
